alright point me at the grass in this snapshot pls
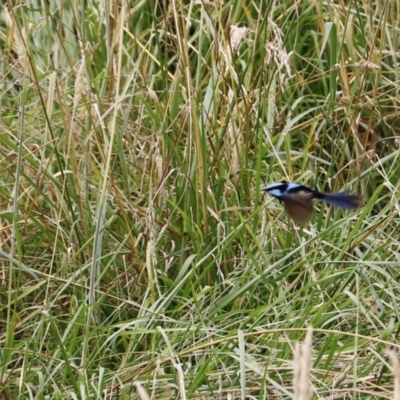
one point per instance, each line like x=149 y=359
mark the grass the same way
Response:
x=139 y=257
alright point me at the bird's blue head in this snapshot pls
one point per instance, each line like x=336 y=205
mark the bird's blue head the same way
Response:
x=278 y=190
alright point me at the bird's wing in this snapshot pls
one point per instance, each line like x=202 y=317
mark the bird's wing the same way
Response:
x=299 y=206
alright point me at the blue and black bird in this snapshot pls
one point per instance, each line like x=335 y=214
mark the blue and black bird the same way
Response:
x=299 y=199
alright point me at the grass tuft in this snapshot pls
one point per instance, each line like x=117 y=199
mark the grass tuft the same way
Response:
x=139 y=257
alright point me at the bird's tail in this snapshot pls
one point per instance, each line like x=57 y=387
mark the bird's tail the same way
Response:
x=342 y=199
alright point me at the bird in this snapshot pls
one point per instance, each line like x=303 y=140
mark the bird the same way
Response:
x=299 y=199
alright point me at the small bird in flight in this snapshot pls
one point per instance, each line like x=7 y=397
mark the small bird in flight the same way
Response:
x=299 y=199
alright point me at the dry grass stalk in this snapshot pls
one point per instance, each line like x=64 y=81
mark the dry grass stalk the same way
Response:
x=302 y=367
x=396 y=372
x=141 y=392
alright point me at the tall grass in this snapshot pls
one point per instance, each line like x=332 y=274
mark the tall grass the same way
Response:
x=139 y=257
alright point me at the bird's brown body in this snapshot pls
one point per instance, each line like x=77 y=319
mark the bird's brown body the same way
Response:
x=299 y=206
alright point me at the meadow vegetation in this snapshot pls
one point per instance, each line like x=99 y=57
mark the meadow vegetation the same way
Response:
x=139 y=257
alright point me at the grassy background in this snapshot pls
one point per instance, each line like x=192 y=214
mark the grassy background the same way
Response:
x=139 y=258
